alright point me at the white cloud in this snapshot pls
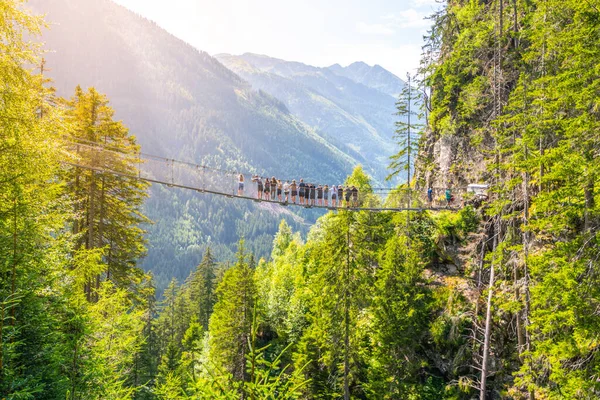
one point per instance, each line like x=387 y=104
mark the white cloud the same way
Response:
x=374 y=29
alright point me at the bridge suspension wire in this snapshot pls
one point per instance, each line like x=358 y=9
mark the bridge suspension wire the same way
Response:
x=204 y=179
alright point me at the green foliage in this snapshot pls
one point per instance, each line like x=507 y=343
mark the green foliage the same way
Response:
x=364 y=307
x=231 y=320
x=516 y=84
x=400 y=309
x=201 y=287
x=107 y=207
x=408 y=130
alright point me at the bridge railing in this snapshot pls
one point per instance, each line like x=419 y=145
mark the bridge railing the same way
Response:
x=104 y=159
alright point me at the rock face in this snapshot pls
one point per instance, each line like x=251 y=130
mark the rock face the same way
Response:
x=449 y=161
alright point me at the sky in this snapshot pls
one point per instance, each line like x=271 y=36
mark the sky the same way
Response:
x=316 y=32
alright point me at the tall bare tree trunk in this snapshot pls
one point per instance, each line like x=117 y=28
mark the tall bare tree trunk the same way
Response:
x=347 y=320
x=488 y=317
x=90 y=227
x=14 y=261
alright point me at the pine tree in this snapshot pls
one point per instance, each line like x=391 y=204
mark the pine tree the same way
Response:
x=231 y=322
x=145 y=367
x=170 y=327
x=107 y=206
x=339 y=271
x=407 y=131
x=201 y=287
x=400 y=321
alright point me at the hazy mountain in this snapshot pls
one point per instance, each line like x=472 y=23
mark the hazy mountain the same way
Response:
x=182 y=103
x=351 y=107
x=375 y=77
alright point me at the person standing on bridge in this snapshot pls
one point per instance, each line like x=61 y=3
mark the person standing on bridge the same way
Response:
x=320 y=195
x=355 y=196
x=302 y=187
x=294 y=189
x=348 y=193
x=259 y=186
x=326 y=195
x=340 y=196
x=240 y=185
x=279 y=190
x=286 y=190
x=273 y=188
x=267 y=190
x=430 y=195
x=449 y=196
x=333 y=196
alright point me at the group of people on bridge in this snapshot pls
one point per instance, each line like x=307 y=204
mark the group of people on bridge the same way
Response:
x=311 y=194
x=302 y=193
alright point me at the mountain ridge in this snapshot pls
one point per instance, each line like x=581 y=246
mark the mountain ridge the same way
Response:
x=355 y=117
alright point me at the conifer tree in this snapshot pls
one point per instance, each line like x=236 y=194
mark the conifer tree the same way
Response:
x=231 y=322
x=107 y=206
x=170 y=327
x=407 y=131
x=400 y=321
x=201 y=287
x=146 y=360
x=31 y=245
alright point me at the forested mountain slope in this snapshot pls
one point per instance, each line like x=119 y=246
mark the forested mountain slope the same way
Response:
x=515 y=95
x=182 y=103
x=351 y=107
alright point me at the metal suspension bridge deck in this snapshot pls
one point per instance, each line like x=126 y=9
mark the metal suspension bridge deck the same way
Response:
x=204 y=179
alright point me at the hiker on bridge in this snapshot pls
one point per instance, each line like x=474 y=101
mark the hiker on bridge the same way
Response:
x=320 y=195
x=354 y=196
x=279 y=190
x=334 y=191
x=326 y=195
x=286 y=190
x=347 y=193
x=449 y=196
x=312 y=194
x=240 y=185
x=259 y=186
x=273 y=188
x=302 y=189
x=294 y=190
x=430 y=195
x=267 y=190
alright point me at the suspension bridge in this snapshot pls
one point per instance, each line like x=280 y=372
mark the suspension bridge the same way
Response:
x=204 y=179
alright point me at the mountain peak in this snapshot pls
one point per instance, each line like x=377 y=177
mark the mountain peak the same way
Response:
x=360 y=64
x=375 y=77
